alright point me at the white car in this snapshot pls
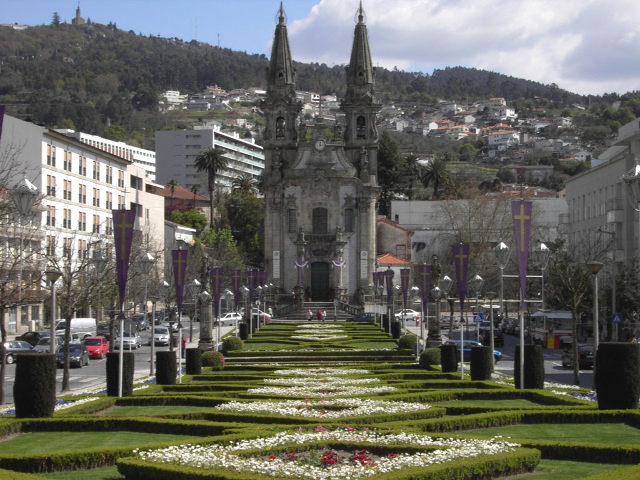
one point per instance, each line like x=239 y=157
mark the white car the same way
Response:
x=407 y=314
x=160 y=336
x=173 y=325
x=130 y=342
x=264 y=317
x=230 y=318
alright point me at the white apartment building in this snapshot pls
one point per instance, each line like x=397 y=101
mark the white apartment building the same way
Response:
x=80 y=185
x=176 y=151
x=139 y=156
x=503 y=138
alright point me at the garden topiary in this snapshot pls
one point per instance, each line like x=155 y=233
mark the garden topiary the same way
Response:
x=213 y=359
x=533 y=367
x=232 y=343
x=113 y=371
x=449 y=358
x=34 y=389
x=385 y=322
x=243 y=329
x=194 y=361
x=430 y=358
x=617 y=375
x=166 y=368
x=481 y=363
x=396 y=329
x=407 y=342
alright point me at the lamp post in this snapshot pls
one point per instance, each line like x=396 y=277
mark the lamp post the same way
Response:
x=24 y=196
x=163 y=292
x=543 y=253
x=100 y=262
x=244 y=291
x=194 y=289
x=152 y=343
x=52 y=276
x=146 y=264
x=414 y=293
x=502 y=252
x=227 y=295
x=594 y=267
x=491 y=296
x=434 y=337
x=476 y=284
x=445 y=285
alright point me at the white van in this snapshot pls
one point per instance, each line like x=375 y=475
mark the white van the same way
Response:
x=82 y=326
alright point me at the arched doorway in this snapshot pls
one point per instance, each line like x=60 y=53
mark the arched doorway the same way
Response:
x=320 y=281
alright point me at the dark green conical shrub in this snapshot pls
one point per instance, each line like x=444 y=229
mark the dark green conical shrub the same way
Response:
x=194 y=361
x=34 y=388
x=232 y=343
x=166 y=368
x=449 y=358
x=113 y=371
x=617 y=375
x=481 y=363
x=385 y=323
x=244 y=330
x=533 y=366
x=396 y=329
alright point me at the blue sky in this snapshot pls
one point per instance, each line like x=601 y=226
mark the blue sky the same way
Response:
x=586 y=46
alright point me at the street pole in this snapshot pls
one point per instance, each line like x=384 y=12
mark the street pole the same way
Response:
x=52 y=276
x=153 y=343
x=491 y=296
x=594 y=267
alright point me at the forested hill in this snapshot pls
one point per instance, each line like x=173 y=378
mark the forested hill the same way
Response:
x=90 y=75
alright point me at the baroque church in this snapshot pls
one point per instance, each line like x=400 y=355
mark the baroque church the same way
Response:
x=320 y=180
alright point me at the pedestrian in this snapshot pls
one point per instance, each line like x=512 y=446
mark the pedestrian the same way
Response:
x=324 y=315
x=634 y=340
x=270 y=311
x=310 y=315
x=184 y=345
x=319 y=314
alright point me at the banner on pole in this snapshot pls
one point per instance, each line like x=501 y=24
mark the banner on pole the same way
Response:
x=236 y=279
x=521 y=213
x=179 y=258
x=461 y=260
x=405 y=273
x=423 y=279
x=123 y=221
x=388 y=275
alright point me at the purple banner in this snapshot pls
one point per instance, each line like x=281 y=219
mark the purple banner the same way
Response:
x=236 y=282
x=422 y=280
x=461 y=260
x=179 y=258
x=521 y=213
x=388 y=275
x=217 y=274
x=262 y=278
x=1 y=118
x=405 y=273
x=123 y=221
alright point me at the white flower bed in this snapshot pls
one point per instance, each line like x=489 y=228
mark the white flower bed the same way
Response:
x=319 y=391
x=323 y=326
x=324 y=331
x=75 y=403
x=321 y=372
x=325 y=381
x=335 y=408
x=318 y=338
x=222 y=456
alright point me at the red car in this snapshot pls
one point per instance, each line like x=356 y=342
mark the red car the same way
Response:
x=98 y=346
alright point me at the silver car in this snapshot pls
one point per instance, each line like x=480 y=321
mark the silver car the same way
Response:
x=160 y=336
x=130 y=342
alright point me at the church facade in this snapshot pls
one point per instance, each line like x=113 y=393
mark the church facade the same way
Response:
x=320 y=180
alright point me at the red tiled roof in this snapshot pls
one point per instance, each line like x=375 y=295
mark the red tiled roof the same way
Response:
x=389 y=259
x=180 y=193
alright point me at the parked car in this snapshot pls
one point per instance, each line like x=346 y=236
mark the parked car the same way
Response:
x=485 y=335
x=44 y=346
x=408 y=314
x=585 y=357
x=468 y=345
x=229 y=318
x=78 y=355
x=98 y=346
x=160 y=336
x=172 y=325
x=12 y=348
x=104 y=331
x=264 y=317
x=130 y=341
x=32 y=337
x=140 y=321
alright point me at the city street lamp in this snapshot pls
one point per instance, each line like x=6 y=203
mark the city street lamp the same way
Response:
x=100 y=261
x=244 y=291
x=434 y=338
x=476 y=284
x=594 y=267
x=502 y=252
x=24 y=196
x=53 y=276
x=543 y=254
x=445 y=285
x=146 y=263
x=491 y=296
x=194 y=289
x=205 y=342
x=163 y=292
x=228 y=296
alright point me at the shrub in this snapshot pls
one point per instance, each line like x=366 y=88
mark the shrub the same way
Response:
x=34 y=389
x=430 y=358
x=481 y=363
x=232 y=343
x=407 y=342
x=385 y=322
x=194 y=361
x=396 y=329
x=113 y=372
x=533 y=367
x=243 y=330
x=166 y=365
x=212 y=359
x=449 y=358
x=616 y=375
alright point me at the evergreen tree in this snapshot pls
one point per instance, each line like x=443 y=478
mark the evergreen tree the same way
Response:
x=56 y=19
x=210 y=161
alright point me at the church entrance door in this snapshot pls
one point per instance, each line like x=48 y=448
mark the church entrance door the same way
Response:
x=320 y=281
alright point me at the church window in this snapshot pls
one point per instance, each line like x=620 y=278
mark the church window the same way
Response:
x=280 y=124
x=348 y=220
x=292 y=221
x=319 y=220
x=361 y=127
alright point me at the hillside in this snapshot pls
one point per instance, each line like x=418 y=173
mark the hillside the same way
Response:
x=90 y=76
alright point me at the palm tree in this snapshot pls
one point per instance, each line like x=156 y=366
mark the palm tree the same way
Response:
x=194 y=189
x=435 y=173
x=210 y=160
x=245 y=183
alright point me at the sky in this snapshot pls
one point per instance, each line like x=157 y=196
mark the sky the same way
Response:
x=584 y=46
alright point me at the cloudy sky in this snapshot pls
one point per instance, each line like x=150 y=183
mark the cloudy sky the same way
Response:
x=586 y=46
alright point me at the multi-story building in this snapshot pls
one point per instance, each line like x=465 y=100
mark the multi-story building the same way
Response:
x=176 y=151
x=80 y=185
x=139 y=156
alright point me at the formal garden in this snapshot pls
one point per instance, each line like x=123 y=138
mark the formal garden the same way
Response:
x=324 y=401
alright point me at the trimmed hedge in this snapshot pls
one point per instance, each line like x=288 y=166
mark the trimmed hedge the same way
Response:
x=232 y=343
x=617 y=375
x=166 y=368
x=34 y=389
x=396 y=329
x=533 y=367
x=113 y=371
x=194 y=361
x=407 y=342
x=243 y=330
x=430 y=358
x=481 y=363
x=449 y=358
x=212 y=359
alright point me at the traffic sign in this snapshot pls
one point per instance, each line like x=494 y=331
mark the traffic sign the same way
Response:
x=478 y=317
x=616 y=318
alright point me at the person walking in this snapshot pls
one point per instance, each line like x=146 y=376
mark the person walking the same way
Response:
x=310 y=317
x=184 y=345
x=324 y=315
x=319 y=314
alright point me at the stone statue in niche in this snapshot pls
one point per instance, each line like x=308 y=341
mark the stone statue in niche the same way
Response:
x=363 y=163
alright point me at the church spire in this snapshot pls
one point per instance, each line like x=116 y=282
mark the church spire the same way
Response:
x=360 y=74
x=281 y=73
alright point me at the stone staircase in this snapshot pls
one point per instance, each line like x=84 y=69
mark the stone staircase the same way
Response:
x=302 y=315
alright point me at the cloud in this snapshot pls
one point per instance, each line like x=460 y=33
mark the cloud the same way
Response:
x=586 y=46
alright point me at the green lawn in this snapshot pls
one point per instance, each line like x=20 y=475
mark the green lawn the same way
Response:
x=508 y=403
x=44 y=442
x=105 y=473
x=563 y=470
x=134 y=411
x=608 y=433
